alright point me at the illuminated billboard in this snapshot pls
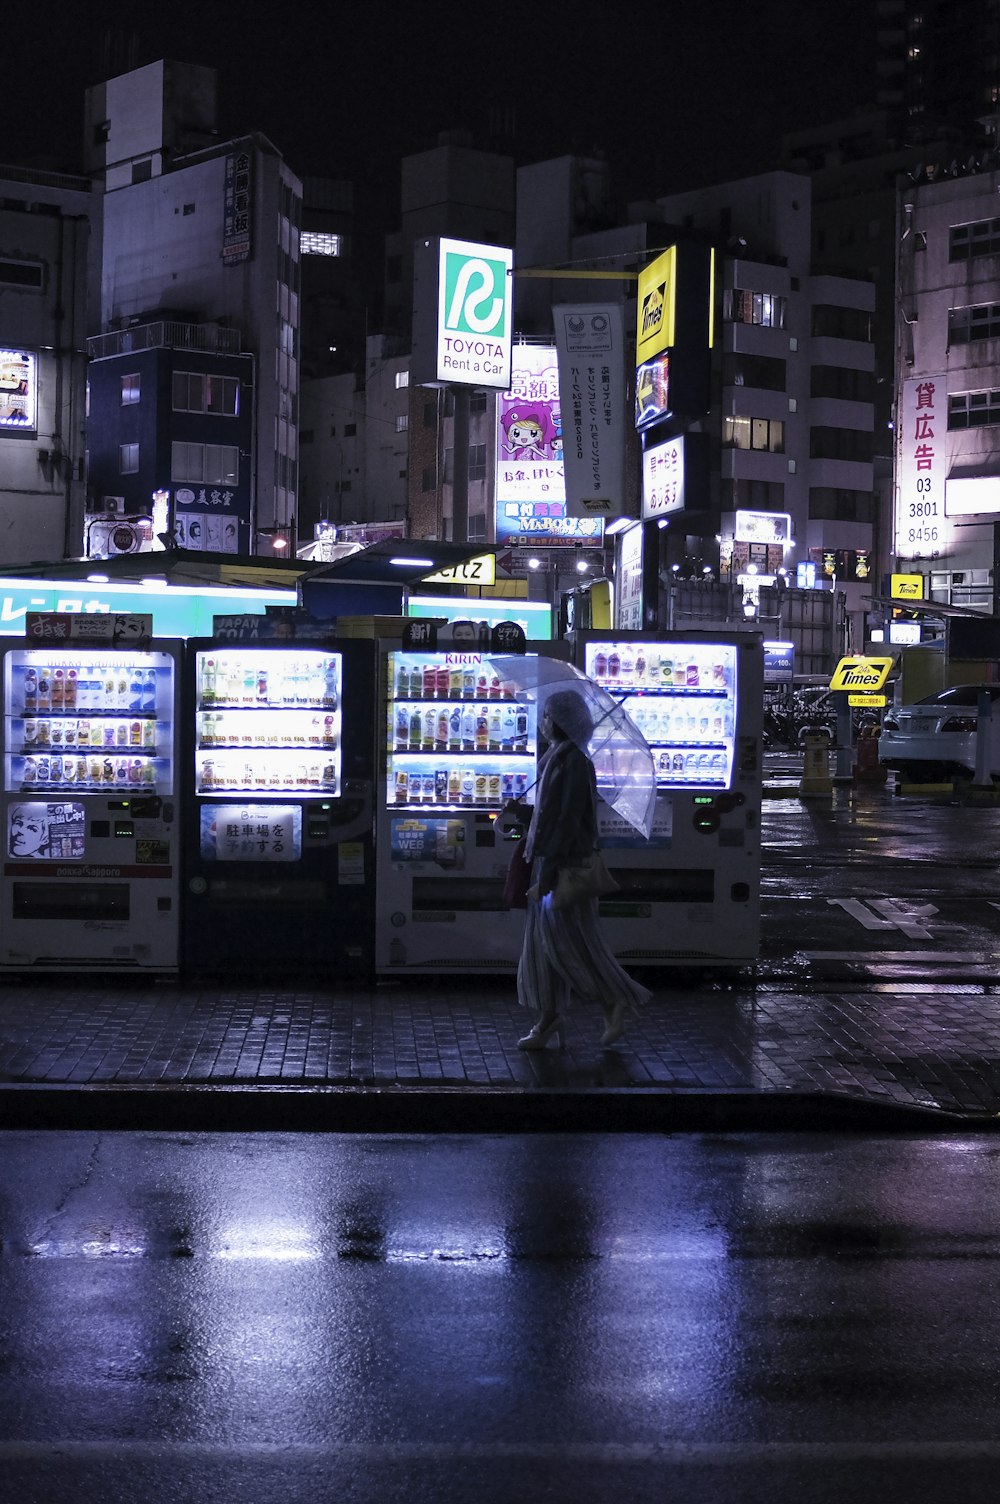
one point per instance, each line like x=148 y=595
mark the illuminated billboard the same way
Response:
x=18 y=389
x=663 y=479
x=921 y=528
x=530 y=480
x=654 y=331
x=675 y=314
x=462 y=314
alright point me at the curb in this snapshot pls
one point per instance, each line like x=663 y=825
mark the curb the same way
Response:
x=255 y=1109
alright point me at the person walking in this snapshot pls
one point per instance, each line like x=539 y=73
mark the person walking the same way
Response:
x=562 y=953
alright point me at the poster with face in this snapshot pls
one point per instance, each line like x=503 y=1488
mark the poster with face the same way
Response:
x=17 y=389
x=45 y=831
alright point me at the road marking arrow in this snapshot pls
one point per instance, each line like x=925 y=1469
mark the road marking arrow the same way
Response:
x=896 y=914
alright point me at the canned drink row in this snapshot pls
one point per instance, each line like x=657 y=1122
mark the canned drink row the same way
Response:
x=689 y=764
x=94 y=771
x=84 y=731
x=458 y=786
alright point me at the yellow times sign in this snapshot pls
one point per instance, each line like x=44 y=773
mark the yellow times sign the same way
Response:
x=656 y=305
x=860 y=673
x=906 y=587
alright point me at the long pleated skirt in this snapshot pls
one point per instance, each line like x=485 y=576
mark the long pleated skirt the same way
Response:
x=564 y=957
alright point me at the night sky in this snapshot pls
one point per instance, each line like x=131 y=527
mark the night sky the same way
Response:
x=675 y=95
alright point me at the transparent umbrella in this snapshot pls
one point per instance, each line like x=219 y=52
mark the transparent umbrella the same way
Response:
x=623 y=763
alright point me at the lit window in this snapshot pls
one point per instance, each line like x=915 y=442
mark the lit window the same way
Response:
x=128 y=459
x=402 y=379
x=402 y=422
x=130 y=389
x=320 y=243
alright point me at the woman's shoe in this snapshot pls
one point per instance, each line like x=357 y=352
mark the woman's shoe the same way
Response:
x=616 y=1025
x=539 y=1036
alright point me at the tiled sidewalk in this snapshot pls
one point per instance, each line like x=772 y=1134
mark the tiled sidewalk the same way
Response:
x=923 y=1045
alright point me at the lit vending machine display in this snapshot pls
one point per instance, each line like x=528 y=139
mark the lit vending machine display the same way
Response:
x=456 y=737
x=268 y=721
x=683 y=698
x=79 y=721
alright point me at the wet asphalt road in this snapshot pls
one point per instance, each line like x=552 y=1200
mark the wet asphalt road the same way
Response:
x=862 y=872
x=265 y=1318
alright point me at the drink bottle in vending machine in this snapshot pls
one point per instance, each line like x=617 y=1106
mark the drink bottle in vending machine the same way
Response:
x=280 y=855
x=691 y=893
x=92 y=864
x=458 y=744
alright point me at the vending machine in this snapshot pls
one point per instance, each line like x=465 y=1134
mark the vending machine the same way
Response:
x=91 y=864
x=690 y=895
x=279 y=856
x=457 y=745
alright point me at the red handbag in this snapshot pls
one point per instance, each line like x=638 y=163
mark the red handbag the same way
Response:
x=518 y=880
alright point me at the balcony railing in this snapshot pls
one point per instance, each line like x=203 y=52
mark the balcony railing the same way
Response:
x=165 y=334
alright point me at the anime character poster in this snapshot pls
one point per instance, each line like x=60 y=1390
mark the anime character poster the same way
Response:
x=45 y=831
x=529 y=430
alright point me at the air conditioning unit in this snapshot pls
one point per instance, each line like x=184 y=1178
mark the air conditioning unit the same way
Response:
x=113 y=504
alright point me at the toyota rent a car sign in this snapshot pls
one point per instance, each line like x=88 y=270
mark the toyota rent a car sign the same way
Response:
x=474 y=314
x=462 y=314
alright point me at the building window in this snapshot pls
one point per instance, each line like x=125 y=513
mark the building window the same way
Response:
x=973 y=409
x=350 y=429
x=754 y=433
x=830 y=321
x=130 y=389
x=142 y=171
x=402 y=379
x=402 y=422
x=20 y=273
x=840 y=444
x=196 y=392
x=477 y=461
x=320 y=243
x=752 y=495
x=476 y=529
x=843 y=383
x=762 y=371
x=764 y=308
x=981 y=321
x=128 y=459
x=210 y=464
x=477 y=402
x=832 y=504
x=429 y=479
x=982 y=238
x=188 y=209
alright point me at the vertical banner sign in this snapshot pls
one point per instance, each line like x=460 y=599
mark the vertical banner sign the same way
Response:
x=663 y=479
x=591 y=344
x=922 y=468
x=628 y=596
x=238 y=208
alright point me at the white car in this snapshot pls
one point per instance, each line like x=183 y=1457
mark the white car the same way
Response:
x=936 y=737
